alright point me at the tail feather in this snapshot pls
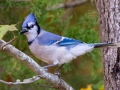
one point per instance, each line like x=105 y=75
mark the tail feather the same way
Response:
x=98 y=45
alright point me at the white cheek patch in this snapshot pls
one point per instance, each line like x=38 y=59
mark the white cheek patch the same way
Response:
x=32 y=33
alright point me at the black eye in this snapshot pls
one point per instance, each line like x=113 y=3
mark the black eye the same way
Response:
x=31 y=26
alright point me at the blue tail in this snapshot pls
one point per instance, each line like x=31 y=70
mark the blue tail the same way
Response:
x=99 y=45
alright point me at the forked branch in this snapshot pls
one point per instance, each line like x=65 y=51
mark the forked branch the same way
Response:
x=53 y=79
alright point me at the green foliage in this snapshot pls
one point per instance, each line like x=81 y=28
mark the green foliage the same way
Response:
x=84 y=28
x=5 y=28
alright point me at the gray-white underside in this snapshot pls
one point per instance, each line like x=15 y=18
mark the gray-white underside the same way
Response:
x=58 y=55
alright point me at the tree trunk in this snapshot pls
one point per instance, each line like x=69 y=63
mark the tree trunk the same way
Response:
x=109 y=22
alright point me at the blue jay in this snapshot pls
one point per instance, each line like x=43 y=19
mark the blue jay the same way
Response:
x=54 y=49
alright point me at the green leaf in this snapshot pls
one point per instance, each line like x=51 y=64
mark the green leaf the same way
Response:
x=5 y=28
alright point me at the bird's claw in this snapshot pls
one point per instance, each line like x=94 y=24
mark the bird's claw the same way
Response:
x=57 y=73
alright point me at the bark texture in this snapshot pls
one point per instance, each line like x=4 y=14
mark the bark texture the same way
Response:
x=109 y=21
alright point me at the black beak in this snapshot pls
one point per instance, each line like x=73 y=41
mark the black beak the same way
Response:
x=23 y=31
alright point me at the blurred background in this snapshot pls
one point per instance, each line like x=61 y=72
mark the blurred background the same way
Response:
x=76 y=19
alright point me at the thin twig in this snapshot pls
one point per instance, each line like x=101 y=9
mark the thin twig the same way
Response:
x=9 y=41
x=25 y=81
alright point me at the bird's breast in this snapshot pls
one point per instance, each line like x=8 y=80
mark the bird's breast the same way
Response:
x=51 y=54
x=41 y=52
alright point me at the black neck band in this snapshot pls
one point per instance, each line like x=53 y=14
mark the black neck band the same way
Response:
x=38 y=31
x=30 y=42
x=38 y=28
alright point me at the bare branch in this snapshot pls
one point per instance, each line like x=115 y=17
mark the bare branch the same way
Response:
x=25 y=81
x=55 y=80
x=67 y=5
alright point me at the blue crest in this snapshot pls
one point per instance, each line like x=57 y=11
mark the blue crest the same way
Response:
x=29 y=18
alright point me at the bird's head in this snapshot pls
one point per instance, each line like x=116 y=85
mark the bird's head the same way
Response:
x=30 y=26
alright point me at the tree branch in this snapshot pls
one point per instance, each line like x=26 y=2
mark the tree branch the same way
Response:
x=53 y=79
x=67 y=5
x=25 y=81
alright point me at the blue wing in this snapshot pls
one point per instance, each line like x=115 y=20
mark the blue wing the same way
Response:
x=47 y=38
x=68 y=41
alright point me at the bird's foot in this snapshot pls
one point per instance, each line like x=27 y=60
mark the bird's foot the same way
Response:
x=57 y=73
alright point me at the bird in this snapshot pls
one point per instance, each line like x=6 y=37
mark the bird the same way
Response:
x=54 y=49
